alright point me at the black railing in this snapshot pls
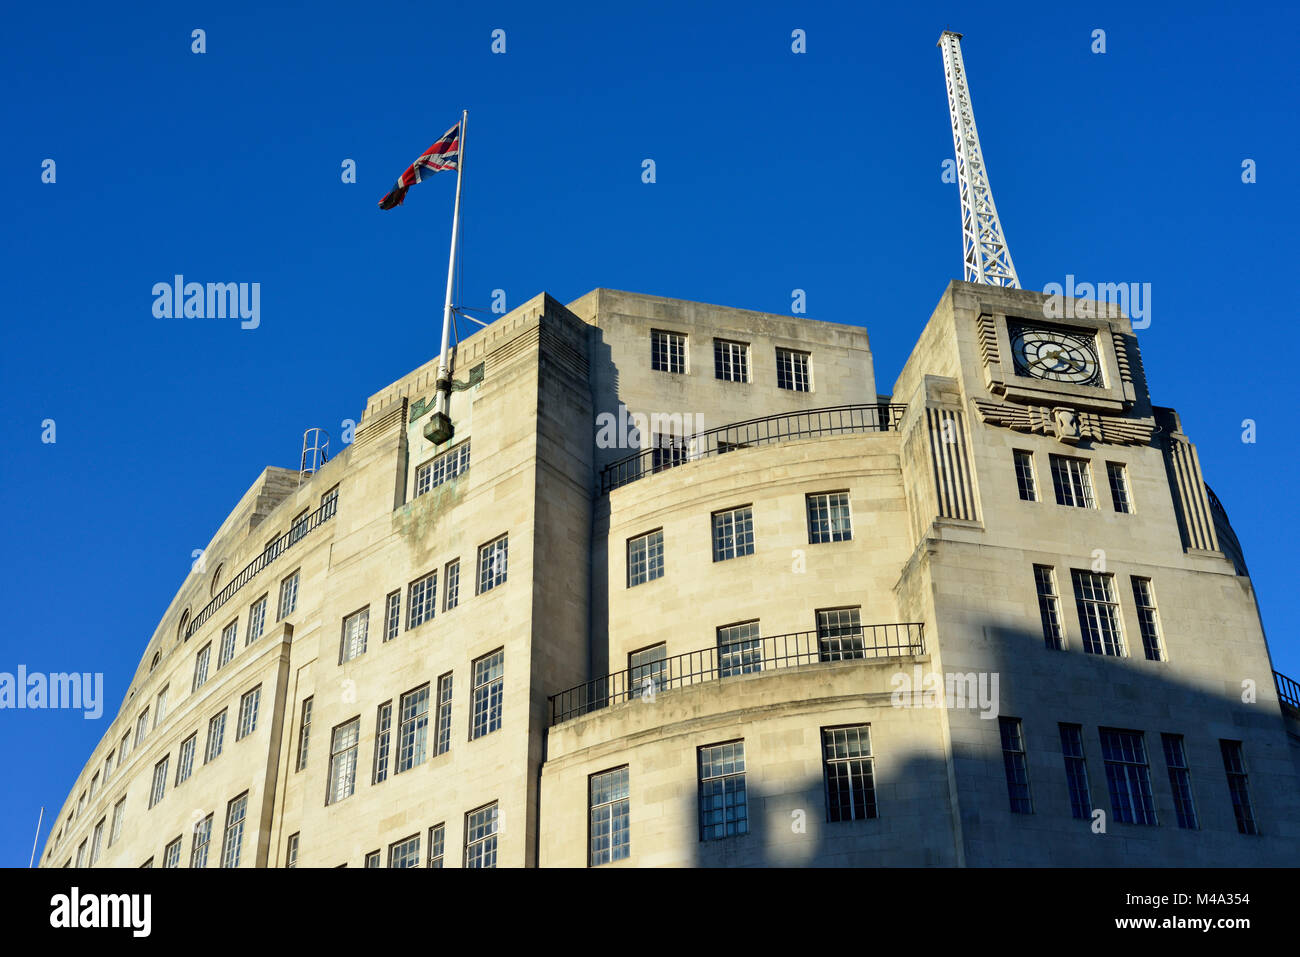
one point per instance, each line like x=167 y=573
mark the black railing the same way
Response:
x=739 y=658
x=815 y=423
x=1288 y=689
x=273 y=551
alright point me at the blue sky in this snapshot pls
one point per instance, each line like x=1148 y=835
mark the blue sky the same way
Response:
x=775 y=171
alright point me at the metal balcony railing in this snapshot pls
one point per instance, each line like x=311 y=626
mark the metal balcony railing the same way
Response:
x=739 y=658
x=1288 y=689
x=815 y=423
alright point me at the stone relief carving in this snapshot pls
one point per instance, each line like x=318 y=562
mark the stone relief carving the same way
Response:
x=1066 y=424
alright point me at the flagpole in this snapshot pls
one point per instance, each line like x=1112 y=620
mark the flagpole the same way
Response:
x=39 y=821
x=440 y=428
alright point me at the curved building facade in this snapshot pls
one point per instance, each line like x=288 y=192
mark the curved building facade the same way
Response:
x=685 y=589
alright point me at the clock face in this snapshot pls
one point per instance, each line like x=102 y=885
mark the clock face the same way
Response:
x=1057 y=355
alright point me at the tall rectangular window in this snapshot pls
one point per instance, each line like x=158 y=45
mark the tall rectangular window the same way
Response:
x=405 y=853
x=233 y=841
x=667 y=351
x=724 y=809
x=608 y=832
x=256 y=621
x=172 y=854
x=200 y=669
x=1072 y=482
x=488 y=694
x=839 y=634
x=125 y=749
x=1119 y=496
x=1049 y=607
x=730 y=360
x=1015 y=764
x=1025 y=483
x=733 y=533
x=343 y=760
x=850 y=774
x=372 y=860
x=1076 y=771
x=108 y=768
x=329 y=503
x=298 y=528
x=356 y=627
x=1144 y=600
x=216 y=736
x=291 y=851
x=141 y=728
x=421 y=600
x=647 y=670
x=413 y=732
x=248 y=708
x=159 y=787
x=828 y=518
x=81 y=853
x=97 y=842
x=185 y=759
x=442 y=468
x=792 y=370
x=492 y=561
x=1234 y=763
x=199 y=846
x=159 y=708
x=740 y=650
x=481 y=837
x=228 y=635
x=668 y=451
x=304 y=733
x=1094 y=594
x=437 y=845
x=444 y=714
x=288 y=596
x=392 y=615
x=451 y=585
x=1180 y=780
x=383 y=741
x=645 y=558
x=1128 y=776
x=119 y=810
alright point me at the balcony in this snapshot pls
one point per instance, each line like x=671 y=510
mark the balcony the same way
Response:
x=1288 y=691
x=813 y=424
x=750 y=656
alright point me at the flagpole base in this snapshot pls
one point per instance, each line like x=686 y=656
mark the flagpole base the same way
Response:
x=439 y=428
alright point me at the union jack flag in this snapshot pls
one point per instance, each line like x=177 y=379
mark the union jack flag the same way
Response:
x=444 y=154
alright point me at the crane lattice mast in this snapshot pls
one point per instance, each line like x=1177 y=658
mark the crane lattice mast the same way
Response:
x=984 y=247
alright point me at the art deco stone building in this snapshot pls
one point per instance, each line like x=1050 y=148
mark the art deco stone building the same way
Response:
x=680 y=591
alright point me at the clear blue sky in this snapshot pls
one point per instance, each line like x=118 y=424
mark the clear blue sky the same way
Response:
x=775 y=171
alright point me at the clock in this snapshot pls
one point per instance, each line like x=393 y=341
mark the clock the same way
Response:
x=1057 y=355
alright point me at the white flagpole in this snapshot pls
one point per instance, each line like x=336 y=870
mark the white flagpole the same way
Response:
x=440 y=428
x=39 y=821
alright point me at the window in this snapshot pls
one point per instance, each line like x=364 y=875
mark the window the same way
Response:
x=839 y=634
x=291 y=851
x=792 y=370
x=304 y=733
x=157 y=657
x=645 y=558
x=298 y=528
x=444 y=714
x=607 y=806
x=248 y=707
x=343 y=760
x=372 y=860
x=227 y=644
x=667 y=351
x=492 y=560
x=442 y=468
x=850 y=777
x=199 y=846
x=147 y=865
x=352 y=644
x=124 y=750
x=730 y=360
x=668 y=451
x=405 y=853
x=172 y=854
x=201 y=667
x=383 y=741
x=1094 y=593
x=723 y=807
x=1025 y=483
x=234 y=839
x=1119 y=487
x=108 y=768
x=828 y=518
x=392 y=615
x=647 y=670
x=216 y=581
x=256 y=621
x=1128 y=776
x=488 y=688
x=421 y=600
x=1148 y=623
x=733 y=533
x=436 y=845
x=329 y=503
x=159 y=787
x=1076 y=771
x=740 y=650
x=81 y=803
x=119 y=809
x=413 y=731
x=451 y=585
x=216 y=736
x=481 y=837
x=1071 y=481
x=97 y=842
x=160 y=707
x=81 y=854
x=1017 y=769
x=1180 y=780
x=94 y=783
x=1049 y=607
x=185 y=759
x=288 y=596
x=182 y=629
x=1234 y=763
x=141 y=727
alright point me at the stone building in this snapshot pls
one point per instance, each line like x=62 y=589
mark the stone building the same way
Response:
x=685 y=589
